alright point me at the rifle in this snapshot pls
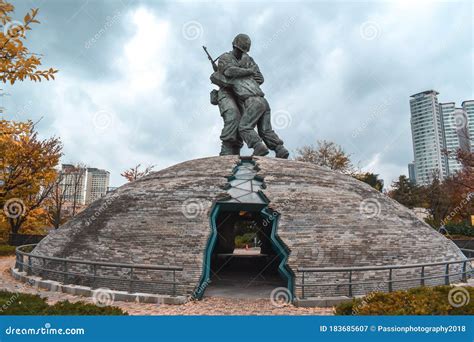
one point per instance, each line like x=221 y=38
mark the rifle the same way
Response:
x=213 y=62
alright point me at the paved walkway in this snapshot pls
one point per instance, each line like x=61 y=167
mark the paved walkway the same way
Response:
x=207 y=306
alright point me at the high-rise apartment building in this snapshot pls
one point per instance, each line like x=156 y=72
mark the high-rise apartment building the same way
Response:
x=84 y=184
x=455 y=133
x=97 y=184
x=73 y=183
x=468 y=107
x=438 y=131
x=427 y=134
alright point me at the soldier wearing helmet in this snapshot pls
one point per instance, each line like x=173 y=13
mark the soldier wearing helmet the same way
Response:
x=228 y=105
x=243 y=76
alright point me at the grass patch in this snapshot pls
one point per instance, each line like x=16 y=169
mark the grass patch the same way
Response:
x=7 y=250
x=28 y=304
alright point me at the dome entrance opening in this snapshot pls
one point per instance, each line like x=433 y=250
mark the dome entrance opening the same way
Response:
x=244 y=262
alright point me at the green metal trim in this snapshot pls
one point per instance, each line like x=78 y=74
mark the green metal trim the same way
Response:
x=281 y=249
x=211 y=243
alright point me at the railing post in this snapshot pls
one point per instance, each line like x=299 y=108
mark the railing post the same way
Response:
x=65 y=271
x=16 y=260
x=94 y=270
x=131 y=280
x=422 y=279
x=390 y=283
x=350 y=283
x=28 y=272
x=446 y=277
x=302 y=286
x=174 y=282
x=42 y=271
x=464 y=275
x=20 y=262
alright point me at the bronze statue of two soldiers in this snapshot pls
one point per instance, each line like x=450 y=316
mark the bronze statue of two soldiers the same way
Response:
x=242 y=103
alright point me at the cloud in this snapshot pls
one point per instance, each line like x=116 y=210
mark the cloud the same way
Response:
x=134 y=83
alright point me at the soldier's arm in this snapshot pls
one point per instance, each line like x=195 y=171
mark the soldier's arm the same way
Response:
x=257 y=74
x=237 y=72
x=229 y=69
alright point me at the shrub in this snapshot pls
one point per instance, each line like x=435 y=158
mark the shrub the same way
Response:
x=418 y=301
x=21 y=304
x=28 y=304
x=462 y=229
x=7 y=250
x=242 y=240
x=82 y=309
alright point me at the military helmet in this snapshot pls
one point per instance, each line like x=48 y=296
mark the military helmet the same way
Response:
x=242 y=42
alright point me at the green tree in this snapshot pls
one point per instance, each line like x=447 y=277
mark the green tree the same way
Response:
x=370 y=178
x=439 y=199
x=406 y=193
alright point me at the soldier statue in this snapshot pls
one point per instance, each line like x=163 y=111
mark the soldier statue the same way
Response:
x=242 y=103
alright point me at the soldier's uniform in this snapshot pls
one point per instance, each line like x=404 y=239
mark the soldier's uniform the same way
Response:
x=255 y=108
x=230 y=112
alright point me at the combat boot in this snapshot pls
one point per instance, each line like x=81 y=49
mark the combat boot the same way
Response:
x=228 y=149
x=281 y=152
x=260 y=150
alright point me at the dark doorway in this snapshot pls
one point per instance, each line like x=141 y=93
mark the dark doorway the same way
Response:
x=245 y=262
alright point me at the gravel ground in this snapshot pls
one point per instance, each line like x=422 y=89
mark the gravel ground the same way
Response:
x=207 y=306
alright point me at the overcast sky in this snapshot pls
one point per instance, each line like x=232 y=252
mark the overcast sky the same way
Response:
x=133 y=83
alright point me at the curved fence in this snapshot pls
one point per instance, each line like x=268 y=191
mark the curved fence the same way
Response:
x=351 y=281
x=153 y=279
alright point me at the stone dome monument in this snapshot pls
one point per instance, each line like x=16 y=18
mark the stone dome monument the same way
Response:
x=321 y=234
x=307 y=218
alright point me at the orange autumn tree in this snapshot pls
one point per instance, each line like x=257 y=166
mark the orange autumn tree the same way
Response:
x=26 y=162
x=16 y=61
x=27 y=172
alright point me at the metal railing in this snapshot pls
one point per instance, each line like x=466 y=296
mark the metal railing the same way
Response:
x=390 y=279
x=93 y=276
x=469 y=253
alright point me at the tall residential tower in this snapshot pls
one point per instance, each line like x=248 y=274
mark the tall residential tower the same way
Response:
x=427 y=134
x=468 y=107
x=438 y=131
